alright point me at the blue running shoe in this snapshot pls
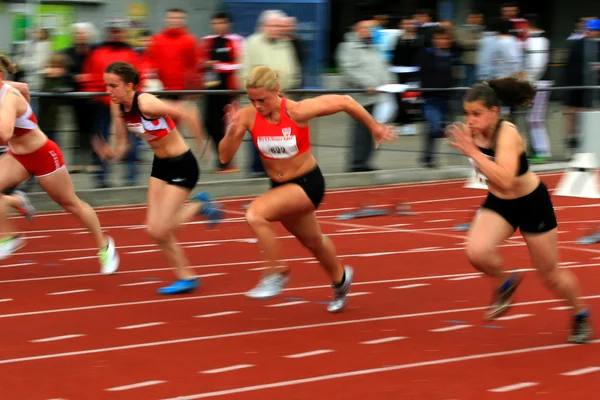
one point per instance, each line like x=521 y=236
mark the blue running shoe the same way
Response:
x=211 y=210
x=180 y=286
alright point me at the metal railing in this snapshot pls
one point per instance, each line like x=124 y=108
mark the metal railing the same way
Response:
x=331 y=136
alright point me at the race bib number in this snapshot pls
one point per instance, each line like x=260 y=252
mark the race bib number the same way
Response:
x=278 y=147
x=478 y=174
x=139 y=130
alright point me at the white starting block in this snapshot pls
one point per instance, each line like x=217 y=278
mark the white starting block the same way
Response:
x=582 y=178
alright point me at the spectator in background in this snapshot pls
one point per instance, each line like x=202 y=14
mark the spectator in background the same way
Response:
x=83 y=39
x=35 y=57
x=177 y=54
x=425 y=27
x=436 y=72
x=56 y=79
x=507 y=56
x=269 y=47
x=519 y=26
x=579 y=32
x=291 y=34
x=469 y=38
x=362 y=67
x=537 y=55
x=577 y=70
x=113 y=49
x=404 y=55
x=223 y=55
x=485 y=57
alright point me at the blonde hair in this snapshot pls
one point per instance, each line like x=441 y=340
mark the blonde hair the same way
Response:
x=262 y=77
x=6 y=65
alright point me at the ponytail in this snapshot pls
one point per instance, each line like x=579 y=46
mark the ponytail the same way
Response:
x=509 y=91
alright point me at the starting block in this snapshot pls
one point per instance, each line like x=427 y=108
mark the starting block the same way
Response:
x=366 y=211
x=581 y=180
x=590 y=239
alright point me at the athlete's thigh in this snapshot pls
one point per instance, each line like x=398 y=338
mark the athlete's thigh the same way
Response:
x=305 y=226
x=59 y=187
x=164 y=202
x=281 y=202
x=488 y=230
x=12 y=172
x=543 y=250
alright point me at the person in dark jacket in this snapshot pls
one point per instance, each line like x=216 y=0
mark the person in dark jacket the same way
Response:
x=436 y=72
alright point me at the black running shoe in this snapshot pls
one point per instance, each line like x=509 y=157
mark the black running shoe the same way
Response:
x=503 y=297
x=582 y=329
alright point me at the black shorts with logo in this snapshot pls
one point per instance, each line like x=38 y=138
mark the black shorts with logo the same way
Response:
x=180 y=171
x=533 y=213
x=313 y=184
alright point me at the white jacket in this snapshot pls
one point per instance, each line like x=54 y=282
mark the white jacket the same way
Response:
x=537 y=55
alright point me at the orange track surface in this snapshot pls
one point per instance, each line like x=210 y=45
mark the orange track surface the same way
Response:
x=411 y=279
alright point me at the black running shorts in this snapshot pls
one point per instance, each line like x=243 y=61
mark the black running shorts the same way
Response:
x=533 y=213
x=313 y=184
x=180 y=171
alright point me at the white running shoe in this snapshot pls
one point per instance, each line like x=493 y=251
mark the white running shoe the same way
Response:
x=9 y=245
x=109 y=259
x=26 y=208
x=269 y=286
x=338 y=303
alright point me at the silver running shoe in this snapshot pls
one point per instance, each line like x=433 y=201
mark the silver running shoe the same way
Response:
x=338 y=303
x=269 y=286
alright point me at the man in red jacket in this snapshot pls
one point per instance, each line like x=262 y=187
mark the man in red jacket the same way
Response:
x=179 y=54
x=113 y=49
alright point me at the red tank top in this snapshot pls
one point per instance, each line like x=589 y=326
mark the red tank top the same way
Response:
x=24 y=123
x=282 y=140
x=146 y=129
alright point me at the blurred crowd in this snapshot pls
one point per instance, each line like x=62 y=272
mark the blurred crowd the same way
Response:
x=427 y=54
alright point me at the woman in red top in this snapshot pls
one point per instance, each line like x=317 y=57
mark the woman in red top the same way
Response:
x=280 y=132
x=32 y=153
x=175 y=170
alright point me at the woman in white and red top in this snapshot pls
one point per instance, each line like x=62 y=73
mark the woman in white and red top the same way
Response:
x=175 y=170
x=280 y=132
x=31 y=153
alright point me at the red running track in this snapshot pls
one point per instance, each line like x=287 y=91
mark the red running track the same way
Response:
x=412 y=329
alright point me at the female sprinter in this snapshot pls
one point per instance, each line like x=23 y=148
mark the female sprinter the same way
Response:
x=517 y=199
x=175 y=170
x=280 y=132
x=32 y=153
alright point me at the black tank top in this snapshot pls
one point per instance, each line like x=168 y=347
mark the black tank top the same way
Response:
x=491 y=153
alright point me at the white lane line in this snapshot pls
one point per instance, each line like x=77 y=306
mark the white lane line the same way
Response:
x=384 y=340
x=321 y=378
x=309 y=353
x=70 y=292
x=565 y=263
x=414 y=285
x=219 y=314
x=516 y=386
x=144 y=251
x=515 y=316
x=5 y=300
x=17 y=265
x=140 y=283
x=55 y=338
x=149 y=324
x=355 y=294
x=289 y=303
x=450 y=328
x=79 y=258
x=582 y=371
x=227 y=369
x=276 y=330
x=561 y=308
x=464 y=278
x=439 y=220
x=134 y=386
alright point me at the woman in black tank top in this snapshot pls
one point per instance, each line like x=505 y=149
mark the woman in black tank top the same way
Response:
x=517 y=199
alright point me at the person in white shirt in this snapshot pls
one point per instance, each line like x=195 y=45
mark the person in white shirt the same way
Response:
x=537 y=54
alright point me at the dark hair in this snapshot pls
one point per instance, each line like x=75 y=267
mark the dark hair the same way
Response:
x=175 y=10
x=533 y=19
x=6 y=65
x=221 y=15
x=509 y=91
x=125 y=71
x=439 y=31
